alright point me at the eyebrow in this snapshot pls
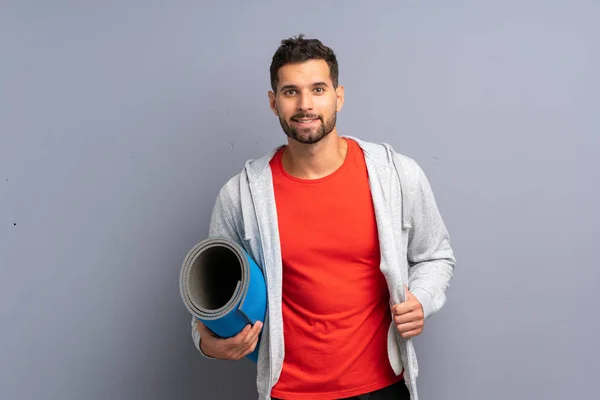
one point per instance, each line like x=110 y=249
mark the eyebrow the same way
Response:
x=287 y=87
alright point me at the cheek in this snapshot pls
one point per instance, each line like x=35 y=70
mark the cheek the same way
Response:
x=329 y=106
x=285 y=109
x=332 y=102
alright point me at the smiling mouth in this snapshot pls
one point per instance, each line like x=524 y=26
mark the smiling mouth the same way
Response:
x=304 y=120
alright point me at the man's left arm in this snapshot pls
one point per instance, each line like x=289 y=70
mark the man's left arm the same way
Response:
x=431 y=261
x=430 y=256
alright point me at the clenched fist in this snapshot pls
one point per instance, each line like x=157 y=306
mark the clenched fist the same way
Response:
x=234 y=348
x=408 y=316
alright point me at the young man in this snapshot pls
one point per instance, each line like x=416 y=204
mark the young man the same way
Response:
x=354 y=251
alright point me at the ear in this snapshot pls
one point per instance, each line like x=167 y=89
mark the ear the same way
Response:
x=272 y=102
x=339 y=92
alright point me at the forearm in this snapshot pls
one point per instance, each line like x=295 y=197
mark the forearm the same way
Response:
x=428 y=281
x=196 y=337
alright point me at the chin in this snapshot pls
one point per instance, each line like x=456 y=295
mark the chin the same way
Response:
x=309 y=137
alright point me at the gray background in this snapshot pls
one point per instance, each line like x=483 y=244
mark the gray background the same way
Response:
x=120 y=120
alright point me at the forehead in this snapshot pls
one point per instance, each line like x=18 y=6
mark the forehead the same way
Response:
x=304 y=74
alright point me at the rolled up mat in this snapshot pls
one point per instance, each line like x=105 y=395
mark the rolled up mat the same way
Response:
x=222 y=286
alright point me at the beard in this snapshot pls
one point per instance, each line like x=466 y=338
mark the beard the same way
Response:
x=309 y=135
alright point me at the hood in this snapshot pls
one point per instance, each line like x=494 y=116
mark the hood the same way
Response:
x=257 y=170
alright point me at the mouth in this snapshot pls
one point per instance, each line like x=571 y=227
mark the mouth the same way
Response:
x=305 y=121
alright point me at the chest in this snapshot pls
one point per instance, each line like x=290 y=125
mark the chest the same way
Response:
x=334 y=218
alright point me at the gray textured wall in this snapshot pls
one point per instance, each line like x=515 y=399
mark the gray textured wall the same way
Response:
x=119 y=121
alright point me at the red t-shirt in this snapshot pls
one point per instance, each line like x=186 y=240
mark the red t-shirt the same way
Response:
x=336 y=312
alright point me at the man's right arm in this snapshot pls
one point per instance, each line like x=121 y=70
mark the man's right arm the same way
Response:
x=209 y=345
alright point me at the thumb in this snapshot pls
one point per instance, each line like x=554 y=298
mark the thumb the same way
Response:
x=407 y=292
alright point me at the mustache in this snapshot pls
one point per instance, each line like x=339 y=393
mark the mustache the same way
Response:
x=300 y=116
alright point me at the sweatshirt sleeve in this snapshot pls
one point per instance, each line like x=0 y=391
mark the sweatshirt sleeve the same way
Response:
x=430 y=256
x=221 y=225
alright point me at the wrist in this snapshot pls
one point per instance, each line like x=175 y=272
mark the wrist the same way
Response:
x=425 y=298
x=203 y=350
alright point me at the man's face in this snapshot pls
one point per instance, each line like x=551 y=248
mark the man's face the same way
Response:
x=306 y=101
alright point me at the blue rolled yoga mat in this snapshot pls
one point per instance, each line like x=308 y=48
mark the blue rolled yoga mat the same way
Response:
x=222 y=286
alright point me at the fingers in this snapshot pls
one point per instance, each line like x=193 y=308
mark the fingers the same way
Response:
x=250 y=348
x=409 y=326
x=238 y=339
x=410 y=329
x=256 y=330
x=252 y=335
x=249 y=342
x=408 y=317
x=406 y=307
x=411 y=334
x=411 y=303
x=245 y=337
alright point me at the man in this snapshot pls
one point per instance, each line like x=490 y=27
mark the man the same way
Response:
x=354 y=251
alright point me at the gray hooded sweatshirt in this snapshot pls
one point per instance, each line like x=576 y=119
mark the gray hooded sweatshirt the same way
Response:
x=414 y=245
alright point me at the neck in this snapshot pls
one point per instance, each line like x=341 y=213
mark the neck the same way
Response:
x=317 y=160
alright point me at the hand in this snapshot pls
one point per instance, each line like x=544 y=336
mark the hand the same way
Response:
x=234 y=348
x=408 y=316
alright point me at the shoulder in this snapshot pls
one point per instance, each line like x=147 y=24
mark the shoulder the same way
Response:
x=384 y=155
x=236 y=190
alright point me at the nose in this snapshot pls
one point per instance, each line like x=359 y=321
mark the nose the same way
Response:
x=305 y=102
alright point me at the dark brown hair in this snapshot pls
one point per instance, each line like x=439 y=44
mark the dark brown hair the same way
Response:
x=297 y=50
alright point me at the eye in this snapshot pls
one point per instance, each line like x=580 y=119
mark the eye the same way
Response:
x=290 y=92
x=319 y=90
